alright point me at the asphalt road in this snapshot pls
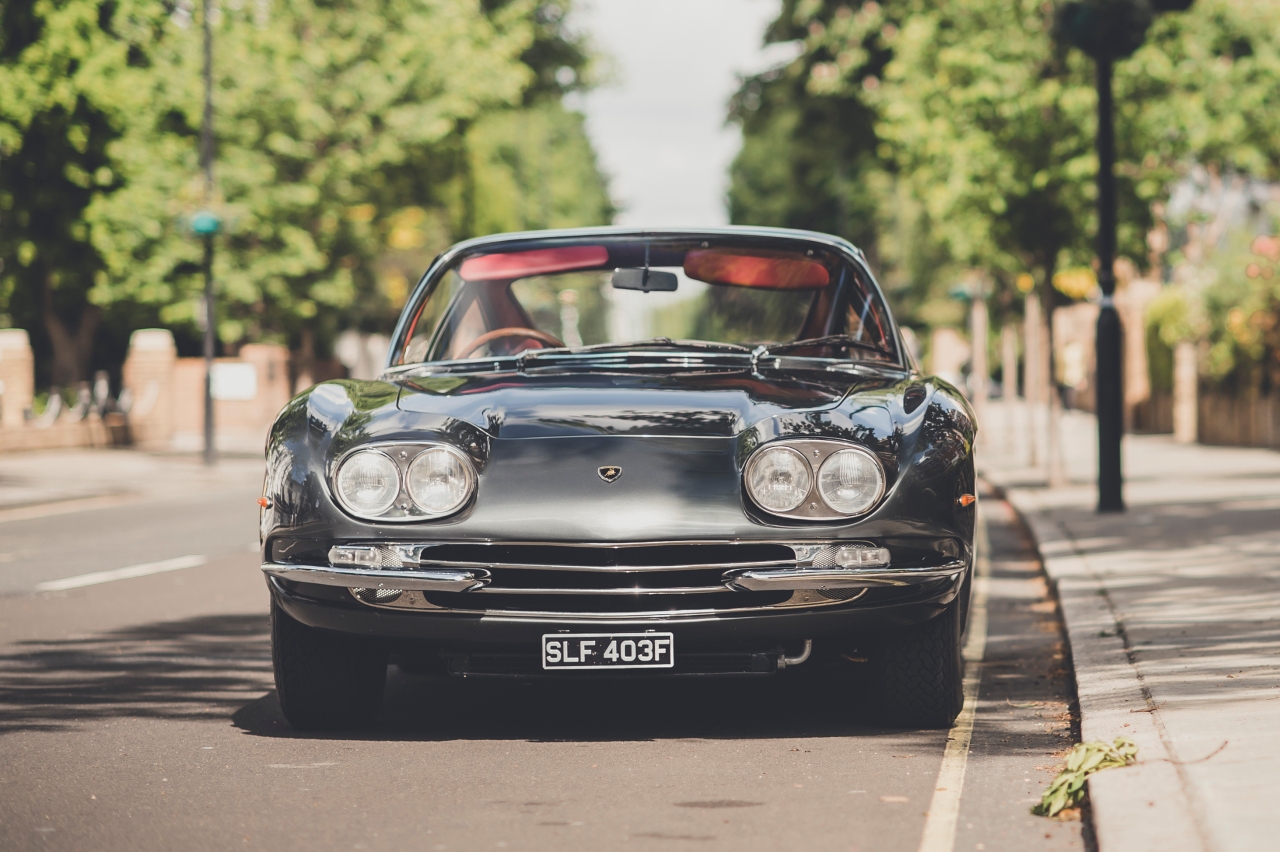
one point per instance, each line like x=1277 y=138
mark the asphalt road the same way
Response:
x=139 y=714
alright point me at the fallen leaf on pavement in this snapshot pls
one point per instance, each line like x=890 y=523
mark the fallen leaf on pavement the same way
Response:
x=1067 y=789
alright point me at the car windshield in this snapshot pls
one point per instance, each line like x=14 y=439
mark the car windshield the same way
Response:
x=649 y=292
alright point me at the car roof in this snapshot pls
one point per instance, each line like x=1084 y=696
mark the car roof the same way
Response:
x=692 y=233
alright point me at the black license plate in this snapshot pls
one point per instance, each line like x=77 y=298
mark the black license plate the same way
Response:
x=608 y=651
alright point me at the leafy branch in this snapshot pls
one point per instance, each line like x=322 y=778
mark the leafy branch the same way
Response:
x=1067 y=789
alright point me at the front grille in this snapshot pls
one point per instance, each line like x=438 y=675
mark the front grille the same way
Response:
x=605 y=579
x=600 y=580
x=496 y=601
x=634 y=557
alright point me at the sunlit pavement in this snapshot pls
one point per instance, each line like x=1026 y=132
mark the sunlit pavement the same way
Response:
x=139 y=714
x=1174 y=614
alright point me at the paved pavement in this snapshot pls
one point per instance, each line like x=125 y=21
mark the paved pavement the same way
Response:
x=139 y=714
x=1173 y=613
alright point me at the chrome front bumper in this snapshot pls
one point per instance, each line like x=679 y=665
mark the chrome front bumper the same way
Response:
x=419 y=580
x=751 y=580
x=819 y=579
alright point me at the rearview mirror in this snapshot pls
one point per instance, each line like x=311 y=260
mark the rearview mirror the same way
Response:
x=645 y=280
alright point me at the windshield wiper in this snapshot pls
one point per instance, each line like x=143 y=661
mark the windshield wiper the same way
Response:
x=837 y=341
x=652 y=343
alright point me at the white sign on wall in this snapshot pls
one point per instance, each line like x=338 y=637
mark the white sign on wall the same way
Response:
x=234 y=381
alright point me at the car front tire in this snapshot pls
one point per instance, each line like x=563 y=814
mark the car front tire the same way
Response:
x=325 y=680
x=918 y=673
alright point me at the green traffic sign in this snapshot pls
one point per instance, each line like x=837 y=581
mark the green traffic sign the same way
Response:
x=205 y=223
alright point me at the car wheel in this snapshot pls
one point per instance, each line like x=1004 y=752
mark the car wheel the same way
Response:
x=918 y=673
x=325 y=680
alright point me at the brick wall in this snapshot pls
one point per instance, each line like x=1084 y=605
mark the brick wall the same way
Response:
x=168 y=395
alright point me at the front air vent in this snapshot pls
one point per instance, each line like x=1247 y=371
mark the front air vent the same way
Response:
x=841 y=594
x=377 y=596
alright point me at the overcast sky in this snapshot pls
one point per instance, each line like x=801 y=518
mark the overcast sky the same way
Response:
x=659 y=127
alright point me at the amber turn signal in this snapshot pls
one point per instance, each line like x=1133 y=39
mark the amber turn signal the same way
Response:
x=967 y=500
x=264 y=502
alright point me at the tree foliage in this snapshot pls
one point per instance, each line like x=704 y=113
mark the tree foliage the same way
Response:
x=983 y=127
x=353 y=140
x=61 y=65
x=321 y=108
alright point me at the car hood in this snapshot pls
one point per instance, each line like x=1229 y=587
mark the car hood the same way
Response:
x=676 y=440
x=720 y=404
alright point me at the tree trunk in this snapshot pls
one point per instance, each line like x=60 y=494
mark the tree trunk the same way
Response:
x=72 y=348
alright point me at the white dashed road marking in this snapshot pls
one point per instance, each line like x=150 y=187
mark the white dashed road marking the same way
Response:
x=121 y=573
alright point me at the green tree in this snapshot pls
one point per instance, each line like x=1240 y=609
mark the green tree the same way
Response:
x=354 y=140
x=990 y=128
x=63 y=65
x=812 y=156
x=984 y=127
x=321 y=108
x=534 y=168
x=805 y=155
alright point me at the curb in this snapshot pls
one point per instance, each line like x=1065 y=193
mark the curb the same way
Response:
x=1145 y=806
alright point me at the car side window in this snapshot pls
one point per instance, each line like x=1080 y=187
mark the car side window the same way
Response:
x=864 y=319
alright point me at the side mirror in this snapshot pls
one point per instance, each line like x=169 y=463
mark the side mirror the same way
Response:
x=645 y=280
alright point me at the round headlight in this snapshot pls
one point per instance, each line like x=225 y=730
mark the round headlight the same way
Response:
x=440 y=480
x=368 y=482
x=778 y=479
x=850 y=481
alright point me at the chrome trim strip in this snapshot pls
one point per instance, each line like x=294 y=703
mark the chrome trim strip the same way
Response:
x=611 y=569
x=620 y=545
x=785 y=542
x=357 y=578
x=417 y=601
x=840 y=578
x=676 y=590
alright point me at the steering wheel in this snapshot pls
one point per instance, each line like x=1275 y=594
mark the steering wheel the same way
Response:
x=513 y=331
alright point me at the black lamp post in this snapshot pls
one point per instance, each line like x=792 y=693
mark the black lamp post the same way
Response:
x=206 y=225
x=1109 y=30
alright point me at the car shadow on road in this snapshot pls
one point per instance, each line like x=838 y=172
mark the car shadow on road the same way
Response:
x=442 y=708
x=194 y=668
x=218 y=668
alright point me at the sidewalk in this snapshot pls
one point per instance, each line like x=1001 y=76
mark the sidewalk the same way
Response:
x=1173 y=614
